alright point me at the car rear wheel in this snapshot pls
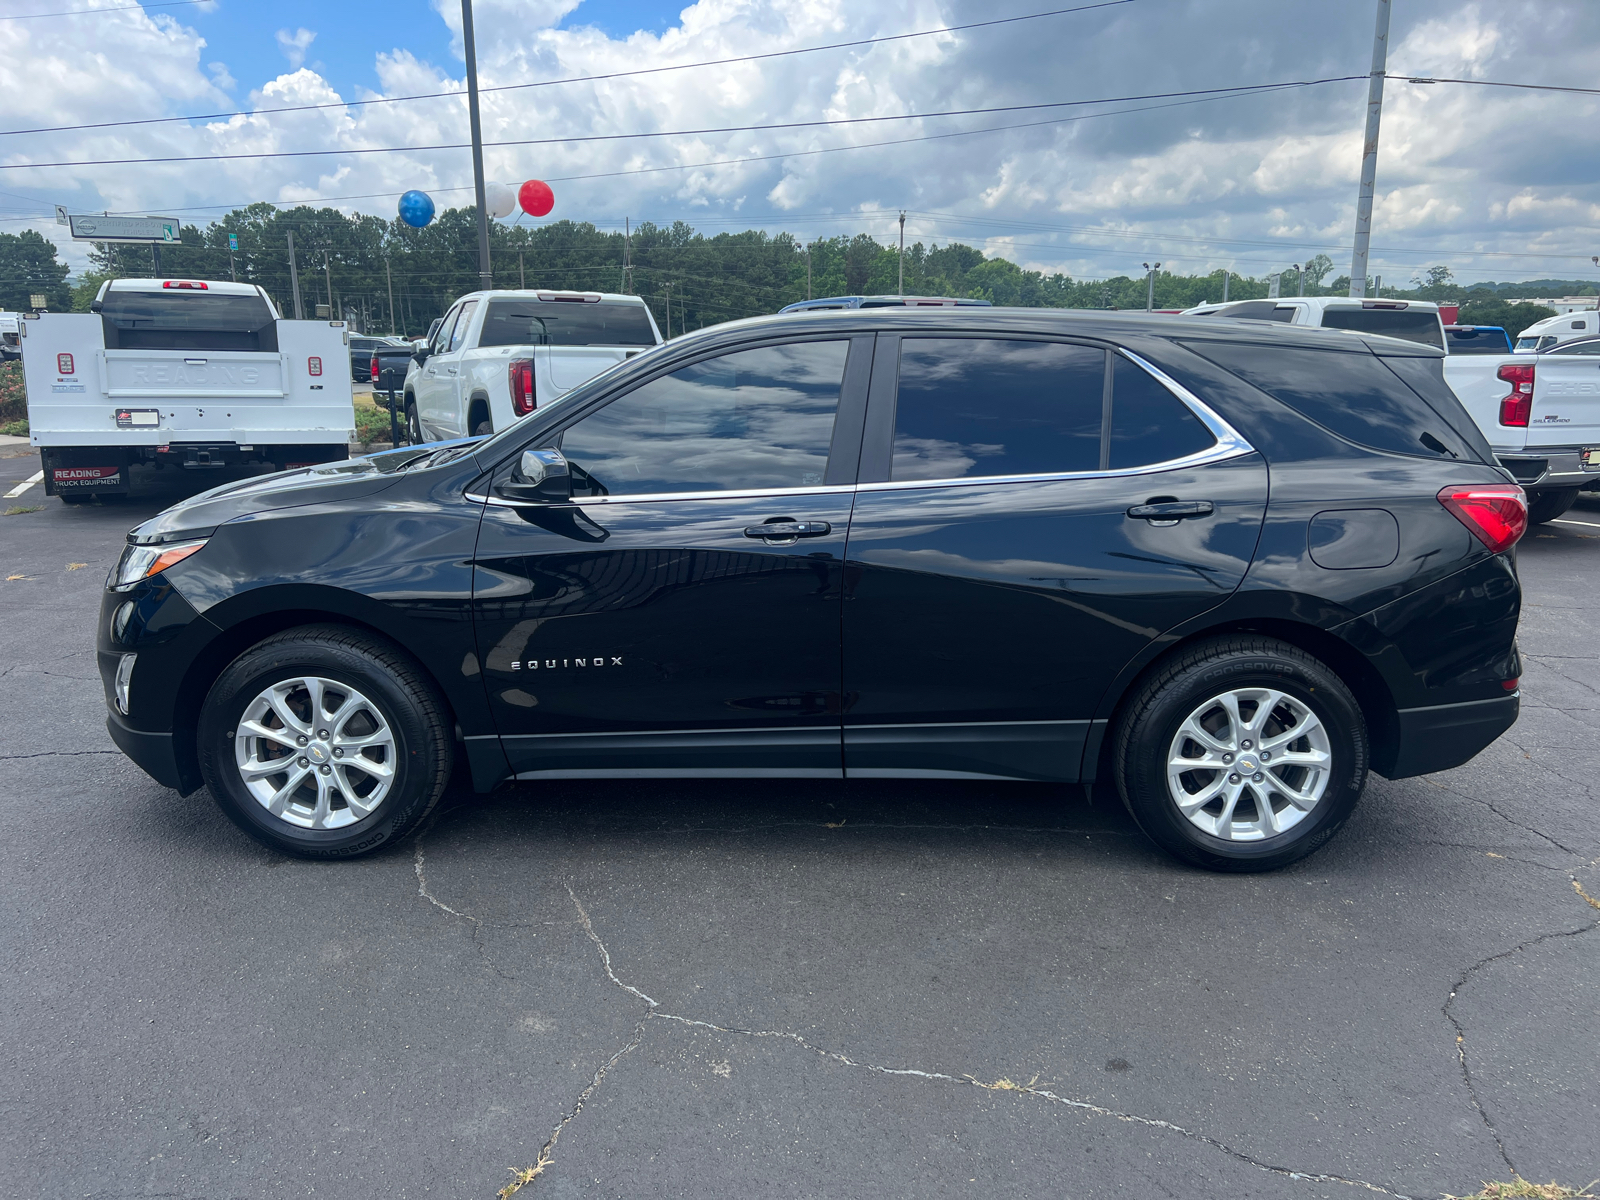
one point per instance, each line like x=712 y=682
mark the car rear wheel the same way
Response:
x=482 y=428
x=1549 y=504
x=324 y=743
x=413 y=424
x=1242 y=754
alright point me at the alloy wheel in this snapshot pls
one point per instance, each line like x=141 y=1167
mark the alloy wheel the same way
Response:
x=315 y=752
x=1249 y=764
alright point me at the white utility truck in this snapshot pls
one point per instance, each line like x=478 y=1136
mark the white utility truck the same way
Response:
x=1557 y=330
x=1540 y=413
x=187 y=373
x=496 y=356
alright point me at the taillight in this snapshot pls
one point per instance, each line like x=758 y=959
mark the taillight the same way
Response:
x=1496 y=513
x=1516 y=408
x=522 y=397
x=374 y=368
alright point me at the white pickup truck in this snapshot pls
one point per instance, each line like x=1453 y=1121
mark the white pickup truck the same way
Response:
x=188 y=373
x=1539 y=412
x=496 y=356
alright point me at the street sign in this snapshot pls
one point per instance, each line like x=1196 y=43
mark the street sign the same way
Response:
x=124 y=229
x=233 y=241
x=61 y=214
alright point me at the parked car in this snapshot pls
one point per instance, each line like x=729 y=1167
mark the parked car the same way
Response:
x=955 y=544
x=1553 y=331
x=496 y=356
x=832 y=303
x=388 y=365
x=1477 y=339
x=1543 y=424
x=361 y=348
x=10 y=336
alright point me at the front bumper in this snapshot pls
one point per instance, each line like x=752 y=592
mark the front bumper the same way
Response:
x=1557 y=466
x=153 y=753
x=1442 y=736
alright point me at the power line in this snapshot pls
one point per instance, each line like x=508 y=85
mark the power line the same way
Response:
x=1240 y=90
x=1531 y=87
x=75 y=12
x=514 y=87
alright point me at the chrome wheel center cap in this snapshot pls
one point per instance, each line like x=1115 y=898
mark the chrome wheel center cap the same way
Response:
x=319 y=753
x=1247 y=764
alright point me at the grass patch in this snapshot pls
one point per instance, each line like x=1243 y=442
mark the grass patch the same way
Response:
x=15 y=428
x=16 y=510
x=1521 y=1189
x=522 y=1177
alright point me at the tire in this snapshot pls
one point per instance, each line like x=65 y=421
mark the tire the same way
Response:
x=1550 y=503
x=413 y=424
x=74 y=498
x=387 y=702
x=482 y=428
x=1187 y=695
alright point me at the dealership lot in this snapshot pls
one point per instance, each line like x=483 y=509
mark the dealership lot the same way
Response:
x=817 y=989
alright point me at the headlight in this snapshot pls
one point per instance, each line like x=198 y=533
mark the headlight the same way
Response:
x=140 y=562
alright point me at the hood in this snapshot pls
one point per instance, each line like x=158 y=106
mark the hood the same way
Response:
x=349 y=480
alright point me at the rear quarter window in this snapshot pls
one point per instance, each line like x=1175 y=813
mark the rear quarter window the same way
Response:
x=1410 y=326
x=1352 y=394
x=1478 y=341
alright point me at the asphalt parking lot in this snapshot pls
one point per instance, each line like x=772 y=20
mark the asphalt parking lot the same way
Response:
x=760 y=988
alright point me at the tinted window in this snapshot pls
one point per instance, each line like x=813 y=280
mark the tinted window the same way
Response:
x=441 y=335
x=1577 y=348
x=1418 y=326
x=1425 y=376
x=756 y=419
x=1148 y=423
x=1484 y=339
x=459 y=333
x=564 y=323
x=974 y=407
x=1353 y=394
x=187 y=320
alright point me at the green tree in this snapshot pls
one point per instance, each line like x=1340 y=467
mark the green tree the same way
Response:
x=1509 y=315
x=28 y=268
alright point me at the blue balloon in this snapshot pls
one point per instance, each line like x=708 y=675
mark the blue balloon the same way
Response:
x=416 y=208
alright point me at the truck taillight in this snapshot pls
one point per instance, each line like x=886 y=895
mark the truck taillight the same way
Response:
x=522 y=395
x=1516 y=408
x=1496 y=513
x=374 y=368
x=186 y=285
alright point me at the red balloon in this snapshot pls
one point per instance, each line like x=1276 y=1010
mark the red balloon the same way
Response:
x=536 y=197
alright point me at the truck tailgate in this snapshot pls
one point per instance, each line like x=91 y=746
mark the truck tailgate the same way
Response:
x=1566 y=402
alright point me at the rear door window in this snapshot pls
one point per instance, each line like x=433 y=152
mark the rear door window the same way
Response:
x=565 y=323
x=1408 y=325
x=981 y=407
x=1148 y=423
x=187 y=320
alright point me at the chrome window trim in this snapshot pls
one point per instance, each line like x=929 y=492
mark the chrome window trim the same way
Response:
x=1229 y=445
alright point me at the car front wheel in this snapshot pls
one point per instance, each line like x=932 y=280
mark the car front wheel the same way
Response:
x=1242 y=754
x=323 y=742
x=413 y=424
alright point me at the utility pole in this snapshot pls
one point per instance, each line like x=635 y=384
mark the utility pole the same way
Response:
x=389 y=275
x=327 y=277
x=522 y=274
x=294 y=281
x=485 y=274
x=808 y=270
x=1369 y=153
x=1377 y=285
x=1225 y=275
x=1300 y=274
x=669 y=311
x=627 y=262
x=155 y=256
x=902 y=290
x=1150 y=296
x=233 y=272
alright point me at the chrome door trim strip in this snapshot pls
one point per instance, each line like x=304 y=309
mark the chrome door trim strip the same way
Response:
x=1220 y=429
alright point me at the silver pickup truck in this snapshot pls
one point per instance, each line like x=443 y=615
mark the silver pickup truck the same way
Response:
x=496 y=356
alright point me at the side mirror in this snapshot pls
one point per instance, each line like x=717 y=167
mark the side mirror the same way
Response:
x=420 y=356
x=542 y=475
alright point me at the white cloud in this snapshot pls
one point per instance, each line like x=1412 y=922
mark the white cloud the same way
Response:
x=294 y=45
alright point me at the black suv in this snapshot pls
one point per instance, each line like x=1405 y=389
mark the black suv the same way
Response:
x=1231 y=566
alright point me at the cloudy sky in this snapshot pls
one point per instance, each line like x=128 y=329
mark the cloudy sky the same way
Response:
x=1497 y=183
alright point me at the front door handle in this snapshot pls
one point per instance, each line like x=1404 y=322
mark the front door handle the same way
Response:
x=788 y=529
x=1170 y=512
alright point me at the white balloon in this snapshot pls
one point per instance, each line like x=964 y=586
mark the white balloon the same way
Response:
x=500 y=199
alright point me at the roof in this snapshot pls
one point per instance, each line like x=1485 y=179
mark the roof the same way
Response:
x=538 y=293
x=215 y=286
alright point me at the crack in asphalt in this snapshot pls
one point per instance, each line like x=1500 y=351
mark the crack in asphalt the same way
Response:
x=1489 y=804
x=1461 y=1031
x=56 y=754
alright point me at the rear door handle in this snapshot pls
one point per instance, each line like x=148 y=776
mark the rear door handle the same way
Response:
x=788 y=529
x=1171 y=511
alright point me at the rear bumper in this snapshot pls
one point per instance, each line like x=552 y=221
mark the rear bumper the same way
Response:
x=152 y=752
x=1447 y=735
x=1557 y=466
